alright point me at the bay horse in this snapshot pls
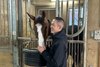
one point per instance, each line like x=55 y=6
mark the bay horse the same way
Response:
x=33 y=57
x=41 y=19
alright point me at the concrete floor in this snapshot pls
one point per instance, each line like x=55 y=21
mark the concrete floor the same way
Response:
x=5 y=59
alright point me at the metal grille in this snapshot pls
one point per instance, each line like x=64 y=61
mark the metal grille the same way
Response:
x=75 y=52
x=73 y=13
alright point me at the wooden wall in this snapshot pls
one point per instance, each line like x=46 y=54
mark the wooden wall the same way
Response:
x=5 y=47
x=93 y=24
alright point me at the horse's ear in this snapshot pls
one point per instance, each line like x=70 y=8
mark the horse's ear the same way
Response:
x=43 y=14
x=31 y=16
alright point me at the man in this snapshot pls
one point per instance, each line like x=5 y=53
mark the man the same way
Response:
x=56 y=55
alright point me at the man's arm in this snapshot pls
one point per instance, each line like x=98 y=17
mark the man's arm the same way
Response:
x=58 y=57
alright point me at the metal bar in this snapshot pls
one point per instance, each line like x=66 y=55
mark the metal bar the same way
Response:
x=12 y=30
x=14 y=35
x=4 y=16
x=8 y=18
x=0 y=17
x=26 y=18
x=73 y=27
x=29 y=38
x=59 y=4
x=77 y=52
x=57 y=8
x=75 y=41
x=67 y=16
x=74 y=54
x=24 y=38
x=85 y=35
x=73 y=16
x=76 y=47
x=70 y=41
x=61 y=9
x=20 y=24
x=69 y=51
x=28 y=10
x=20 y=32
x=78 y=16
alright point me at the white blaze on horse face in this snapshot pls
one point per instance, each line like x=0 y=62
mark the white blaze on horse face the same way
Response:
x=40 y=35
x=39 y=27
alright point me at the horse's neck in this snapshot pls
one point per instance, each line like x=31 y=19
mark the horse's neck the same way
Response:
x=46 y=30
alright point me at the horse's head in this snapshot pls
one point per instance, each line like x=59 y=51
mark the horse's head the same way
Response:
x=38 y=19
x=41 y=19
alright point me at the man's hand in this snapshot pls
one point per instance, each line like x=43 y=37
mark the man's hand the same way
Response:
x=41 y=48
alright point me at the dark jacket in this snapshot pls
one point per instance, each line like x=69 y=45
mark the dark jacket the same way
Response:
x=56 y=56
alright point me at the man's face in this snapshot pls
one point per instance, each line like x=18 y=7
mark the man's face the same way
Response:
x=54 y=26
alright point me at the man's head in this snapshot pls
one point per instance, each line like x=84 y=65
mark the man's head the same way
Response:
x=57 y=25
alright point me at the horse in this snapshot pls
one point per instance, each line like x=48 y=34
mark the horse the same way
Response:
x=41 y=19
x=33 y=57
